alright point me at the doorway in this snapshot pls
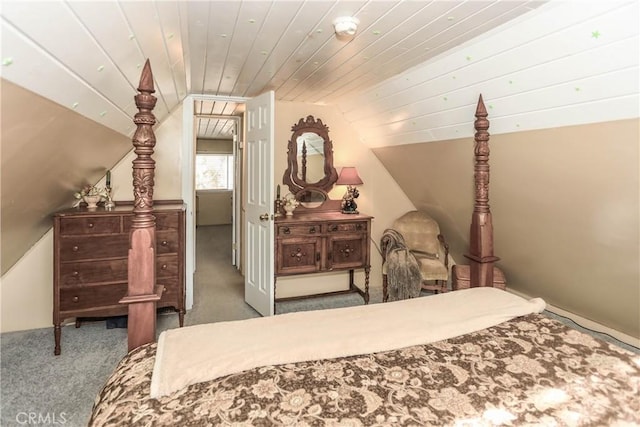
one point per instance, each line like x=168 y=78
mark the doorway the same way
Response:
x=215 y=110
x=217 y=173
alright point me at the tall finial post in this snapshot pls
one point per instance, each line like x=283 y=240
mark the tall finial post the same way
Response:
x=481 y=233
x=143 y=294
x=144 y=141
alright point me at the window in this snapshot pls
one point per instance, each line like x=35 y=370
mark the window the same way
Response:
x=214 y=171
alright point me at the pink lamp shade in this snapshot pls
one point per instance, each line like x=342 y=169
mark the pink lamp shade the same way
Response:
x=349 y=176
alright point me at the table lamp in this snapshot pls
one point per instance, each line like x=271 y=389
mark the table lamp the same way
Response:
x=349 y=177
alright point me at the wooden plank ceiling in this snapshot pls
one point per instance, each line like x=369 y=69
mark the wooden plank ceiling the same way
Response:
x=87 y=56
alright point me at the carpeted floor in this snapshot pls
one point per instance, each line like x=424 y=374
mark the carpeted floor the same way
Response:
x=40 y=388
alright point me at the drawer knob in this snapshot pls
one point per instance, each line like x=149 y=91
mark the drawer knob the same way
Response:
x=75 y=299
x=90 y=225
x=334 y=228
x=312 y=230
x=75 y=249
x=164 y=266
x=75 y=273
x=358 y=226
x=164 y=243
x=286 y=230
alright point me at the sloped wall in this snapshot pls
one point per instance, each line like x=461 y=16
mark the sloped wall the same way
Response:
x=562 y=92
x=48 y=153
x=565 y=205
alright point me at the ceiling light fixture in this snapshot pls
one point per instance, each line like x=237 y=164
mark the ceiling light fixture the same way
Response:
x=346 y=26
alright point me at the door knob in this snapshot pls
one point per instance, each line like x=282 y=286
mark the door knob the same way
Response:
x=264 y=217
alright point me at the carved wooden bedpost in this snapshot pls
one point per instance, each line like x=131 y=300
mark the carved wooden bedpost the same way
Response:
x=481 y=236
x=142 y=292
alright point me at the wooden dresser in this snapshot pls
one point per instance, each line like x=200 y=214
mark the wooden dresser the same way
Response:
x=308 y=243
x=90 y=260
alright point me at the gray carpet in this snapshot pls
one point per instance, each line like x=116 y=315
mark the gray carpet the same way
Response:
x=40 y=388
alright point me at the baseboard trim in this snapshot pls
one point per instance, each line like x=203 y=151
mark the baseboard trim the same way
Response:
x=586 y=323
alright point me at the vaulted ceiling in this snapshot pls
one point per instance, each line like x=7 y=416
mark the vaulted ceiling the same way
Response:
x=87 y=56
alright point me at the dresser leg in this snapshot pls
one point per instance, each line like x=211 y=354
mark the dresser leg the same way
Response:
x=367 y=269
x=56 y=334
x=385 y=291
x=181 y=318
x=275 y=280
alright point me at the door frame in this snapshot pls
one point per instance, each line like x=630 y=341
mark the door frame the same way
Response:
x=188 y=193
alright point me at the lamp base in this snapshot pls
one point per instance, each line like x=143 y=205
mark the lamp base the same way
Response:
x=349 y=205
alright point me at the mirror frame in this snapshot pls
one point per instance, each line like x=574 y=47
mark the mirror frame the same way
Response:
x=290 y=178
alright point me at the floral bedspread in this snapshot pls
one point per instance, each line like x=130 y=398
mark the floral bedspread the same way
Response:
x=529 y=371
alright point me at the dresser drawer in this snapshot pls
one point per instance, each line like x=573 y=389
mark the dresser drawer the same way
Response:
x=111 y=271
x=78 y=273
x=114 y=246
x=90 y=225
x=94 y=247
x=298 y=230
x=165 y=221
x=169 y=294
x=95 y=297
x=167 y=242
x=341 y=227
x=167 y=266
x=91 y=297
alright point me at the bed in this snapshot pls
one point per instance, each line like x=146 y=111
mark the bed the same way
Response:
x=478 y=356
x=531 y=370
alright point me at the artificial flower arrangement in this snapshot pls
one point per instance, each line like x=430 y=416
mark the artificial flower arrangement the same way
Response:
x=290 y=200
x=290 y=203
x=90 y=191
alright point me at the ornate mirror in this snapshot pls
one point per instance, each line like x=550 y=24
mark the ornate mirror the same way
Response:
x=310 y=168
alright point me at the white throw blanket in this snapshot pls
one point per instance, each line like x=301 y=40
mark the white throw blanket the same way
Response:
x=201 y=353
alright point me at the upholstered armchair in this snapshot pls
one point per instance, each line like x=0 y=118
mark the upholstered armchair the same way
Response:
x=415 y=256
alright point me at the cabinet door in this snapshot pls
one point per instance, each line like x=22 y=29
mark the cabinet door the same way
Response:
x=298 y=255
x=346 y=251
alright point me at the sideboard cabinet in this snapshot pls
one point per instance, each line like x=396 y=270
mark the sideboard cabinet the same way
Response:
x=90 y=256
x=324 y=242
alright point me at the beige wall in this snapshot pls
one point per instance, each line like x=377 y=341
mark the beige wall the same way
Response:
x=214 y=146
x=380 y=196
x=565 y=205
x=214 y=207
x=168 y=158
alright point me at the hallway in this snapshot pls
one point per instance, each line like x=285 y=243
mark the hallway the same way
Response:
x=218 y=285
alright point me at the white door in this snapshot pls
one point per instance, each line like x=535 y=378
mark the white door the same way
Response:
x=258 y=278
